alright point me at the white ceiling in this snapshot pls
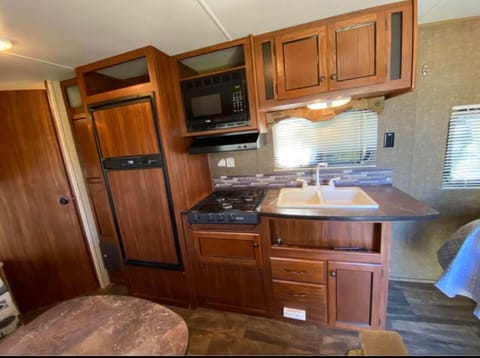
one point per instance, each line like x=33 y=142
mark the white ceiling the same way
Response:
x=52 y=37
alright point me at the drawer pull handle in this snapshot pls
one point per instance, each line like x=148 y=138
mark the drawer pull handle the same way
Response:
x=302 y=295
x=294 y=271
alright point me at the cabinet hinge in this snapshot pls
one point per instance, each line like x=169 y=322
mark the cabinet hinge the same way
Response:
x=386 y=69
x=379 y=322
x=386 y=24
x=276 y=89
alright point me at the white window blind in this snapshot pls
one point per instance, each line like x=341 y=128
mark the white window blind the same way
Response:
x=348 y=140
x=461 y=168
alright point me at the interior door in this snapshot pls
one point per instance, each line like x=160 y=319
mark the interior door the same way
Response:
x=41 y=241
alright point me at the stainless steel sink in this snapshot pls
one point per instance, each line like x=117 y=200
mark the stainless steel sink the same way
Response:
x=325 y=197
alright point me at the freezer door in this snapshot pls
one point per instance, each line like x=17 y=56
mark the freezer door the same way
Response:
x=126 y=129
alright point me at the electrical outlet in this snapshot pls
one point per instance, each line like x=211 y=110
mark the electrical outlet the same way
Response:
x=230 y=162
x=294 y=313
x=221 y=163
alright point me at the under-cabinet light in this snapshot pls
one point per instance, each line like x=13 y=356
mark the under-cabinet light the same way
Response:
x=330 y=103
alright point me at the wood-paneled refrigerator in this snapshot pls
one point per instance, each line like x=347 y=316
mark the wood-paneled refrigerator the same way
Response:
x=135 y=173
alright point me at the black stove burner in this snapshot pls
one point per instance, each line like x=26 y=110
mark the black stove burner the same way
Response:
x=238 y=206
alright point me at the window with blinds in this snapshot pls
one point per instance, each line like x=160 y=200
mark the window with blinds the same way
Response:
x=461 y=167
x=348 y=140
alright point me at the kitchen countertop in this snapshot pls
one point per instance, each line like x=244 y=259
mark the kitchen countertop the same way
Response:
x=394 y=205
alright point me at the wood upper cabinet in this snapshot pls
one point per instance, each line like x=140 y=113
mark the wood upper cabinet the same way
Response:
x=301 y=66
x=360 y=54
x=354 y=294
x=357 y=51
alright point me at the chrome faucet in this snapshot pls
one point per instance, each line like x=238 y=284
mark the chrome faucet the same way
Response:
x=320 y=165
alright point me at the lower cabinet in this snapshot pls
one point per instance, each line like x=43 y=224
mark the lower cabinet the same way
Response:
x=228 y=270
x=323 y=272
x=327 y=272
x=354 y=292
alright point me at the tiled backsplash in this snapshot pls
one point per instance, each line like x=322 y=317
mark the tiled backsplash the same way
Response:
x=348 y=177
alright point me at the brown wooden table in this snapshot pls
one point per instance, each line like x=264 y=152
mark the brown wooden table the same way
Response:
x=101 y=325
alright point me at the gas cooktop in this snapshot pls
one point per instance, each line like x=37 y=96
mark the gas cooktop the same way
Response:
x=236 y=206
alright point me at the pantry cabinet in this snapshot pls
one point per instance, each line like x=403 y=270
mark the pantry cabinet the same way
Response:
x=84 y=138
x=360 y=54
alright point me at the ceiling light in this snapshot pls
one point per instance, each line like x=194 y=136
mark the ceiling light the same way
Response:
x=5 y=44
x=329 y=103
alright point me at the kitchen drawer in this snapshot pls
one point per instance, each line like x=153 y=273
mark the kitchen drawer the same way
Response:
x=227 y=247
x=301 y=293
x=298 y=270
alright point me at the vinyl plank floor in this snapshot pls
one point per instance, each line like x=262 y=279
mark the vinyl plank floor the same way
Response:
x=429 y=322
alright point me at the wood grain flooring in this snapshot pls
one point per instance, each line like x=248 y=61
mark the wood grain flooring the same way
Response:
x=429 y=322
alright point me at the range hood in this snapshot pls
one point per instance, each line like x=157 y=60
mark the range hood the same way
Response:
x=227 y=142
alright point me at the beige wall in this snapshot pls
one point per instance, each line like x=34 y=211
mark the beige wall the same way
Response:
x=420 y=122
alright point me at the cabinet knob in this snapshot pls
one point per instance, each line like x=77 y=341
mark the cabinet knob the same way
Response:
x=333 y=76
x=333 y=273
x=321 y=78
x=255 y=244
x=277 y=240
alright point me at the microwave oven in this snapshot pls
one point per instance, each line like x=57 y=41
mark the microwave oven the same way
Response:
x=216 y=101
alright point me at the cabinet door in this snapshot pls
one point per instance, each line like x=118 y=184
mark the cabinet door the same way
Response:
x=354 y=295
x=301 y=63
x=101 y=209
x=86 y=147
x=357 y=51
x=228 y=271
x=242 y=249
